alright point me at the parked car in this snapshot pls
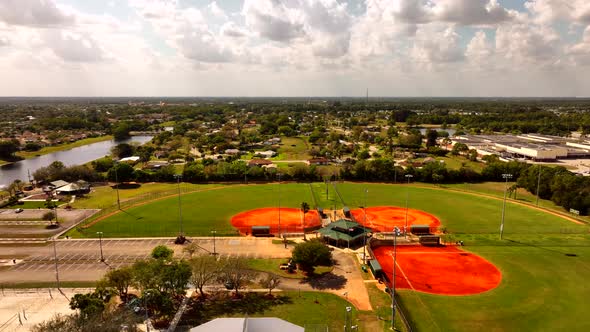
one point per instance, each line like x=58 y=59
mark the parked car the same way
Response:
x=19 y=210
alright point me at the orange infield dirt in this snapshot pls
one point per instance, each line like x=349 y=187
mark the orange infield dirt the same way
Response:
x=384 y=218
x=439 y=270
x=290 y=220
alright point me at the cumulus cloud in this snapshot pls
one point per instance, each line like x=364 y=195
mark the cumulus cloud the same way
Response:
x=549 y=11
x=273 y=20
x=471 y=12
x=73 y=47
x=216 y=11
x=232 y=30
x=526 y=43
x=33 y=13
x=4 y=41
x=435 y=47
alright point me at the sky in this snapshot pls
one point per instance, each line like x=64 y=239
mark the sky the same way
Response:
x=397 y=48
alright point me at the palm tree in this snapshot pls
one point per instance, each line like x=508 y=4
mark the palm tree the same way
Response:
x=304 y=209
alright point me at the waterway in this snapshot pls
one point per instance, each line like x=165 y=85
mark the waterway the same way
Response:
x=76 y=156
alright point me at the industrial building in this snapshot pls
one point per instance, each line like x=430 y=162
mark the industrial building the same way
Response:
x=528 y=146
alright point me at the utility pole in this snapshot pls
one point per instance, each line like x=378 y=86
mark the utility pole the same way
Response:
x=178 y=177
x=214 y=233
x=365 y=234
x=279 y=230
x=396 y=232
x=55 y=259
x=100 y=243
x=506 y=176
x=117 y=186
x=408 y=176
x=539 y=184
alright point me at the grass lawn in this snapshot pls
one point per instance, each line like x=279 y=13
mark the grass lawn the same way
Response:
x=292 y=148
x=455 y=162
x=272 y=265
x=102 y=197
x=31 y=205
x=312 y=309
x=62 y=147
x=542 y=288
x=201 y=211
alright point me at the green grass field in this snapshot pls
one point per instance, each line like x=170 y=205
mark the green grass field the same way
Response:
x=292 y=148
x=544 y=259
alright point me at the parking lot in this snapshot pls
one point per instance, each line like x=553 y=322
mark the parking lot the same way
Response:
x=80 y=260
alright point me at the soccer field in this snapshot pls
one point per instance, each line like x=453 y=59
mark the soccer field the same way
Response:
x=544 y=259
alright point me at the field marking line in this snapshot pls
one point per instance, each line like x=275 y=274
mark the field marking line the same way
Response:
x=404 y=275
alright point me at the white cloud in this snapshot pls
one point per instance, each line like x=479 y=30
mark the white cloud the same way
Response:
x=549 y=11
x=524 y=43
x=214 y=9
x=480 y=51
x=471 y=12
x=73 y=47
x=232 y=30
x=433 y=47
x=273 y=20
x=35 y=13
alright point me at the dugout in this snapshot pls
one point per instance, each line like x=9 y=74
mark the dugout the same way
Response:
x=420 y=229
x=430 y=240
x=376 y=268
x=260 y=230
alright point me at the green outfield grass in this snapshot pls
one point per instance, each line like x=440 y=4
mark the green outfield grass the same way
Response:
x=544 y=259
x=542 y=289
x=201 y=212
x=292 y=148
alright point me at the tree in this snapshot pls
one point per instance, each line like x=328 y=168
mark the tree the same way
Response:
x=121 y=131
x=472 y=155
x=122 y=172
x=310 y=254
x=8 y=148
x=271 y=282
x=235 y=274
x=120 y=280
x=48 y=216
x=191 y=249
x=122 y=150
x=16 y=185
x=88 y=304
x=459 y=148
x=204 y=270
x=162 y=252
x=174 y=277
x=304 y=209
x=431 y=136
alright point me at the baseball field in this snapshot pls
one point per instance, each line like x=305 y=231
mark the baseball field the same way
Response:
x=535 y=277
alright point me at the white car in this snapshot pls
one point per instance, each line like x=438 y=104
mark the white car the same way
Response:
x=19 y=210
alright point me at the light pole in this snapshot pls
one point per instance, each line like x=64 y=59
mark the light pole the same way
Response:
x=539 y=184
x=181 y=234
x=214 y=233
x=408 y=176
x=348 y=320
x=506 y=176
x=55 y=259
x=365 y=225
x=117 y=186
x=100 y=243
x=279 y=230
x=396 y=233
x=394 y=172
